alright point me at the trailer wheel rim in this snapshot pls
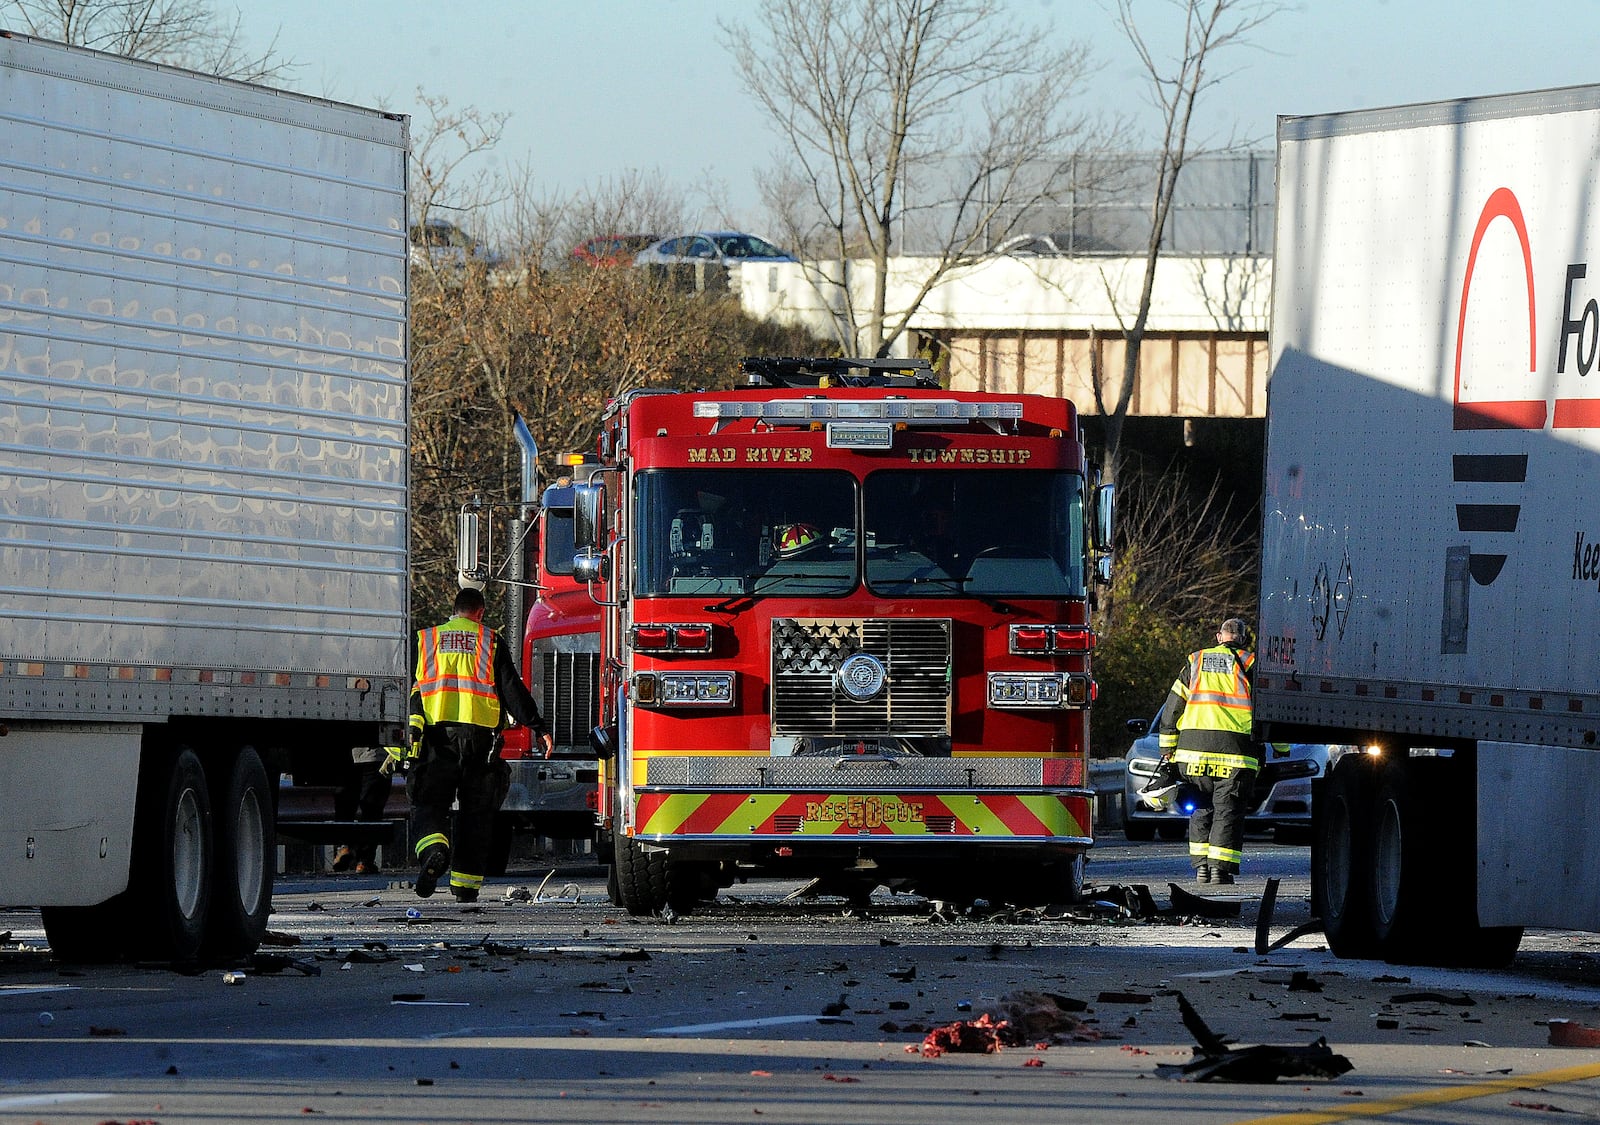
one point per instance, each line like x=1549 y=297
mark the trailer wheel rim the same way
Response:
x=249 y=850
x=1336 y=861
x=188 y=853
x=1387 y=864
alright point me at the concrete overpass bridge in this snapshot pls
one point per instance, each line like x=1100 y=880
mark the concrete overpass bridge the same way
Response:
x=1052 y=325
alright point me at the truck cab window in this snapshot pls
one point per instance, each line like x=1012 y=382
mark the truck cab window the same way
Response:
x=559 y=542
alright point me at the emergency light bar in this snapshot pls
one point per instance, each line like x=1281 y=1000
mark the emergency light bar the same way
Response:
x=918 y=412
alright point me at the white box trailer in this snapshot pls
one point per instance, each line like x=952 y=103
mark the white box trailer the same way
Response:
x=1431 y=539
x=203 y=484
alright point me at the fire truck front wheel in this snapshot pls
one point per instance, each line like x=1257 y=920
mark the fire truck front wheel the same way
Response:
x=1060 y=882
x=649 y=880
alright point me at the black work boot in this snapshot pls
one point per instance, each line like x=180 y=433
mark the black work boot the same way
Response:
x=1202 y=874
x=1223 y=876
x=465 y=894
x=435 y=862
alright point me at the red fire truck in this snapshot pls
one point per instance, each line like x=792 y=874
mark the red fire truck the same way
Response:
x=844 y=634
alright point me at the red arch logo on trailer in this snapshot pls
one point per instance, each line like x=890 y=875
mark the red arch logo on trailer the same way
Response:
x=1482 y=477
x=1514 y=414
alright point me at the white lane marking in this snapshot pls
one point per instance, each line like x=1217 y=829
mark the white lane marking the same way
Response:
x=28 y=1101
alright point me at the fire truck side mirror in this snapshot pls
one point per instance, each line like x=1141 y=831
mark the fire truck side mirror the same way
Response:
x=1105 y=502
x=469 y=570
x=588 y=516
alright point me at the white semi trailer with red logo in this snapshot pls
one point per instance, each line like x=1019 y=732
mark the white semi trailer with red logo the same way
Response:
x=1431 y=543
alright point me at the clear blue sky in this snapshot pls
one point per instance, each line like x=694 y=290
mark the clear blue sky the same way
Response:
x=598 y=87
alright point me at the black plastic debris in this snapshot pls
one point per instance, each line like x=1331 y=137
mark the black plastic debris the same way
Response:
x=278 y=963
x=1140 y=902
x=1302 y=981
x=1184 y=902
x=1461 y=1000
x=1264 y=941
x=1099 y=910
x=1215 y=1061
x=368 y=957
x=1119 y=902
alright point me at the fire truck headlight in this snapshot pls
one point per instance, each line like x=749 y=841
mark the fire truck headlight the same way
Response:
x=694 y=689
x=1037 y=689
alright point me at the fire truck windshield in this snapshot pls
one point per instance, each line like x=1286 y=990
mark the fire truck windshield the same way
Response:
x=787 y=532
x=980 y=531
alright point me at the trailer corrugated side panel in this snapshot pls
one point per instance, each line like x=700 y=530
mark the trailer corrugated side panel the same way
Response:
x=1433 y=421
x=203 y=394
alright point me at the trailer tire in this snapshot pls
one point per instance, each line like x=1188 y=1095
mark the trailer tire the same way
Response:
x=244 y=862
x=1424 y=884
x=172 y=857
x=1339 y=883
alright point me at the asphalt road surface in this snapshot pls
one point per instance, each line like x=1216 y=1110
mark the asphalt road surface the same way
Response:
x=549 y=1005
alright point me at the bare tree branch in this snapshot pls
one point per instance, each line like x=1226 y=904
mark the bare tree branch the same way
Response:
x=1209 y=26
x=879 y=101
x=189 y=33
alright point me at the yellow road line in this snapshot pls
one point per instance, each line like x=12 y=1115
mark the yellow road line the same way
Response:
x=1430 y=1097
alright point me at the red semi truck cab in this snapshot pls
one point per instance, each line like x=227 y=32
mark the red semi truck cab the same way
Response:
x=560 y=659
x=844 y=634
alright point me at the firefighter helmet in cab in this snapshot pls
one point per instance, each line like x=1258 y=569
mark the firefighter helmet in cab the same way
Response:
x=793 y=540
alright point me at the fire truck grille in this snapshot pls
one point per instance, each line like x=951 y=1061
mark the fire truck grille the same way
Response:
x=571 y=696
x=808 y=700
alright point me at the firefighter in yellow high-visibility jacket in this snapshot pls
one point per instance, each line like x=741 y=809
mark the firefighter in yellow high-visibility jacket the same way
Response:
x=465 y=683
x=1205 y=728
